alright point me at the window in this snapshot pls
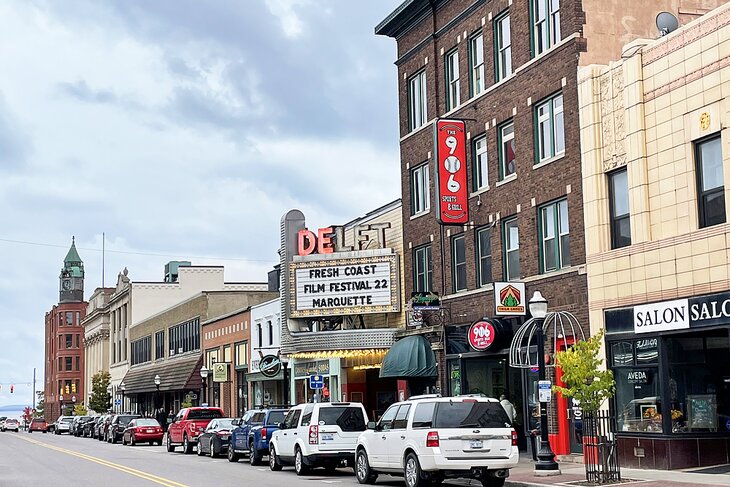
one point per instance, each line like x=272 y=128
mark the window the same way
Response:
x=185 y=337
x=458 y=263
x=69 y=363
x=545 y=24
x=512 y=250
x=618 y=196
x=141 y=350
x=160 y=344
x=484 y=256
x=420 y=200
x=348 y=418
x=241 y=354
x=417 y=101
x=423 y=417
x=386 y=421
x=453 y=98
x=711 y=189
x=69 y=318
x=69 y=340
x=260 y=335
x=481 y=172
x=271 y=333
x=503 y=47
x=476 y=64
x=422 y=269
x=227 y=354
x=401 y=418
x=507 y=162
x=554 y=236
x=463 y=414
x=550 y=131
x=78 y=341
x=78 y=363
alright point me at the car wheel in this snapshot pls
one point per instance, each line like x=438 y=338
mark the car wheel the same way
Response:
x=412 y=472
x=232 y=457
x=363 y=472
x=124 y=441
x=199 y=449
x=299 y=467
x=212 y=450
x=274 y=464
x=132 y=441
x=170 y=446
x=492 y=482
x=113 y=438
x=159 y=443
x=187 y=446
x=254 y=457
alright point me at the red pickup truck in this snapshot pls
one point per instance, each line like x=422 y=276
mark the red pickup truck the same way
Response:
x=188 y=425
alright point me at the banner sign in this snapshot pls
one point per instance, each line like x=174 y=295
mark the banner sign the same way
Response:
x=453 y=192
x=345 y=286
x=220 y=372
x=509 y=298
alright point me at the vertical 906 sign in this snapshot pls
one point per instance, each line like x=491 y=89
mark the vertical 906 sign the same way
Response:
x=453 y=193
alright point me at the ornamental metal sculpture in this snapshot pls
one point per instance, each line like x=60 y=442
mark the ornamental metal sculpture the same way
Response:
x=561 y=329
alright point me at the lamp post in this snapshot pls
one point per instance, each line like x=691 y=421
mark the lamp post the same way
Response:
x=73 y=400
x=204 y=375
x=60 y=398
x=546 y=464
x=122 y=388
x=285 y=385
x=157 y=393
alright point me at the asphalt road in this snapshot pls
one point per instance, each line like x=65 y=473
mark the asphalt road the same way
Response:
x=38 y=459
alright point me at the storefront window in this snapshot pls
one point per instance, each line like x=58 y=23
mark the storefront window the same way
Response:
x=638 y=397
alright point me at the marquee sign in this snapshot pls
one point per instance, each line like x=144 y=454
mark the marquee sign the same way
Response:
x=453 y=193
x=344 y=286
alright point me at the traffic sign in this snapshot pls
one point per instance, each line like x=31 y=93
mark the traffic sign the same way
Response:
x=316 y=382
x=117 y=402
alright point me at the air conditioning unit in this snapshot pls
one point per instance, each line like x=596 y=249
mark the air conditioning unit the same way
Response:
x=180 y=350
x=172 y=352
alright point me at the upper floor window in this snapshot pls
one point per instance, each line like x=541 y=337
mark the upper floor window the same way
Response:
x=476 y=64
x=420 y=201
x=550 y=128
x=507 y=162
x=260 y=335
x=484 y=256
x=618 y=195
x=710 y=182
x=480 y=173
x=422 y=269
x=271 y=333
x=141 y=350
x=503 y=47
x=241 y=352
x=417 y=101
x=554 y=236
x=545 y=24
x=458 y=263
x=184 y=337
x=511 y=249
x=69 y=318
x=453 y=97
x=160 y=344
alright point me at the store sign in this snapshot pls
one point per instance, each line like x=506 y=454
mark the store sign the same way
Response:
x=345 y=286
x=425 y=301
x=453 y=192
x=481 y=335
x=332 y=239
x=304 y=369
x=270 y=366
x=638 y=376
x=666 y=316
x=220 y=372
x=709 y=310
x=509 y=298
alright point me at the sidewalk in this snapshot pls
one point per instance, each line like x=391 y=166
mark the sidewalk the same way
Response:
x=572 y=473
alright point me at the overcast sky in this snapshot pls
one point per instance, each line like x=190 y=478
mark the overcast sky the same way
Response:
x=182 y=129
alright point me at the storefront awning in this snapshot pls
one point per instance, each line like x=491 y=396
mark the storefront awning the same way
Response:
x=175 y=374
x=409 y=357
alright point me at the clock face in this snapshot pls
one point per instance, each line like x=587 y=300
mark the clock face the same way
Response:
x=66 y=284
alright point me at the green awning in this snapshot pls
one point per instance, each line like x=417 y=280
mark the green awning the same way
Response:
x=409 y=357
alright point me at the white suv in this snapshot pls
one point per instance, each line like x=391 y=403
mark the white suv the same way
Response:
x=428 y=438
x=317 y=435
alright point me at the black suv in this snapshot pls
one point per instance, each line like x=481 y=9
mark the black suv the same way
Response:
x=118 y=425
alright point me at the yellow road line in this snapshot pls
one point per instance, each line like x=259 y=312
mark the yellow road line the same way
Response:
x=137 y=473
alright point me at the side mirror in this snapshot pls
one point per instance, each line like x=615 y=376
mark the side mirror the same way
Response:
x=236 y=422
x=371 y=425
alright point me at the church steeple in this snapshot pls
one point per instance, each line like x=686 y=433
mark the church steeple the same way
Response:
x=72 y=276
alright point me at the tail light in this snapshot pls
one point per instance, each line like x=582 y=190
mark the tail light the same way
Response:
x=314 y=434
x=432 y=439
x=263 y=433
x=514 y=438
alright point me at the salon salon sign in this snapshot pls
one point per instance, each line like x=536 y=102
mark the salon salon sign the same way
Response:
x=681 y=314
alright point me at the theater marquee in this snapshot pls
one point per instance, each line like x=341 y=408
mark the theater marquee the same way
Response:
x=344 y=286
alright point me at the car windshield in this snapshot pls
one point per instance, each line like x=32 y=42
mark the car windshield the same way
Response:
x=123 y=420
x=348 y=418
x=225 y=424
x=204 y=414
x=467 y=414
x=66 y=420
x=147 y=422
x=276 y=417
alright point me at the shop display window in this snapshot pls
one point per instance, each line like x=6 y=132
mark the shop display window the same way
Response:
x=638 y=397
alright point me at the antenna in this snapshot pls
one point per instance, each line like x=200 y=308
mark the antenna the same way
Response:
x=666 y=23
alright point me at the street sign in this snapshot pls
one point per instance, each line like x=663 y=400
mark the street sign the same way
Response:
x=316 y=382
x=544 y=391
x=220 y=372
x=117 y=402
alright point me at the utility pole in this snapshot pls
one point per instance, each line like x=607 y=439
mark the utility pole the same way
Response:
x=34 y=388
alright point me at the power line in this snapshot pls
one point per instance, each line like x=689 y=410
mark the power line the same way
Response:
x=127 y=252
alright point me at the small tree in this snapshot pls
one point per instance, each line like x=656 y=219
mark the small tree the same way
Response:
x=583 y=380
x=41 y=404
x=100 y=399
x=80 y=410
x=187 y=402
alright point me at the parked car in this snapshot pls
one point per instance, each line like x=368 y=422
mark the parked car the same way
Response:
x=252 y=433
x=216 y=437
x=2 y=422
x=87 y=427
x=429 y=438
x=103 y=426
x=11 y=424
x=76 y=425
x=62 y=424
x=188 y=425
x=38 y=424
x=317 y=435
x=117 y=426
x=143 y=430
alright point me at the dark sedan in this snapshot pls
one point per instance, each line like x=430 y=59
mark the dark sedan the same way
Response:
x=143 y=430
x=216 y=437
x=87 y=427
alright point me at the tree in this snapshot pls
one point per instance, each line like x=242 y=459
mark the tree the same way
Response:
x=100 y=399
x=80 y=410
x=41 y=404
x=583 y=380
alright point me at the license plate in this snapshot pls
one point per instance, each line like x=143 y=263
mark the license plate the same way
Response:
x=150 y=431
x=327 y=437
x=224 y=437
x=474 y=444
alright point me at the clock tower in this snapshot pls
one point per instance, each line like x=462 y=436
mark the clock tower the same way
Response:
x=71 y=281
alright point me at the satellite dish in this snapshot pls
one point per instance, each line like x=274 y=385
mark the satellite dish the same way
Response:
x=666 y=23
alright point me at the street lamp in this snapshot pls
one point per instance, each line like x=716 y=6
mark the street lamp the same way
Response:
x=285 y=385
x=157 y=394
x=73 y=400
x=204 y=375
x=546 y=464
x=122 y=388
x=60 y=398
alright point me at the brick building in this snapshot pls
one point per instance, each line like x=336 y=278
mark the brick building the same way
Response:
x=64 y=377
x=507 y=70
